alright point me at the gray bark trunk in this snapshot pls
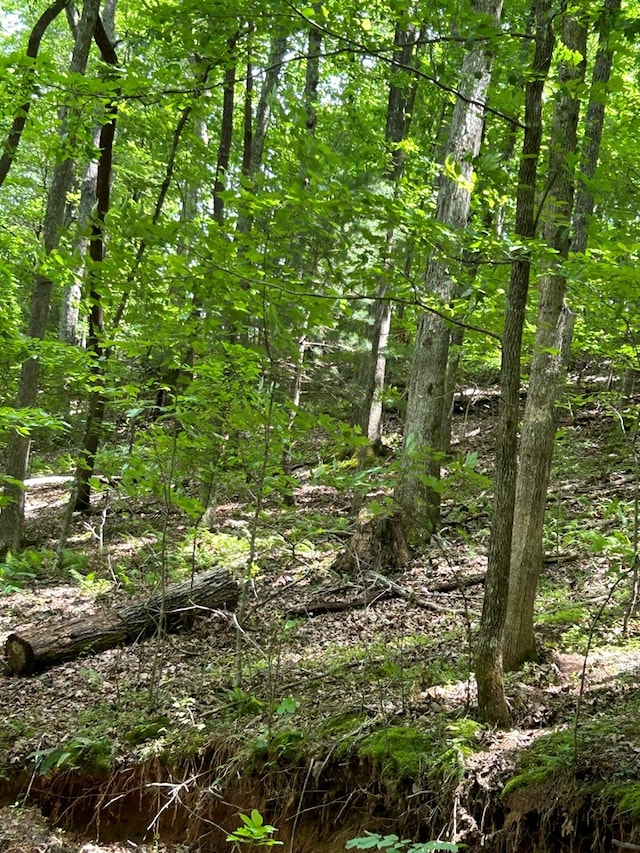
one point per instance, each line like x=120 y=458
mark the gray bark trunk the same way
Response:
x=552 y=334
x=255 y=130
x=489 y=675
x=399 y=109
x=12 y=514
x=417 y=492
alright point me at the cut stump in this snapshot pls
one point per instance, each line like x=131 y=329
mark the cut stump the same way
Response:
x=378 y=544
x=33 y=650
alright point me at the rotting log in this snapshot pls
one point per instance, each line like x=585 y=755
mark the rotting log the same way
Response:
x=33 y=650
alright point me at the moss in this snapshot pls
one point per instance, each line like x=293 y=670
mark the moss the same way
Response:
x=628 y=799
x=548 y=756
x=573 y=615
x=341 y=725
x=398 y=751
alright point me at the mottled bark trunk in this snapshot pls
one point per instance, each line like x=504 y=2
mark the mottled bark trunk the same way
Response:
x=12 y=515
x=539 y=425
x=555 y=326
x=97 y=399
x=417 y=492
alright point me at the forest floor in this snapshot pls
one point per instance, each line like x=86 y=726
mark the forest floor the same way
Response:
x=331 y=724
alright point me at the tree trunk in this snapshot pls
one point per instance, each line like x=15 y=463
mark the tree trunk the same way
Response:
x=70 y=311
x=12 y=514
x=491 y=699
x=226 y=132
x=378 y=545
x=32 y=651
x=97 y=400
x=399 y=110
x=539 y=425
x=417 y=491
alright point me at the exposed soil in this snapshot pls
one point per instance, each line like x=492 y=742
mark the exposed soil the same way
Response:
x=160 y=744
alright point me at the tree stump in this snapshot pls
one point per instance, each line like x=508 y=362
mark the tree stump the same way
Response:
x=32 y=651
x=378 y=544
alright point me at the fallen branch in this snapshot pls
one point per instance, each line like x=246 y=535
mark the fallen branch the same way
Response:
x=384 y=589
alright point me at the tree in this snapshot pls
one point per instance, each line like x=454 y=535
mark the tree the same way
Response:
x=565 y=229
x=12 y=514
x=402 y=93
x=417 y=491
x=491 y=699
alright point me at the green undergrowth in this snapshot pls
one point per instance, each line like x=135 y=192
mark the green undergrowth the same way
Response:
x=403 y=753
x=597 y=762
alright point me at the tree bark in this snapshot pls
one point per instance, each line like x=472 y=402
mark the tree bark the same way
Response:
x=539 y=424
x=97 y=400
x=70 y=311
x=491 y=699
x=32 y=651
x=12 y=514
x=226 y=132
x=399 y=112
x=417 y=491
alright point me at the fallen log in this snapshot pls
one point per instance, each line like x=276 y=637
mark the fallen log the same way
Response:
x=33 y=650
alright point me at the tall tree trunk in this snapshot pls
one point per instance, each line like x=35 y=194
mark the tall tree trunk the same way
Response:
x=593 y=126
x=97 y=399
x=417 y=492
x=555 y=324
x=491 y=698
x=12 y=514
x=255 y=129
x=70 y=311
x=226 y=131
x=97 y=402
x=399 y=110
x=310 y=100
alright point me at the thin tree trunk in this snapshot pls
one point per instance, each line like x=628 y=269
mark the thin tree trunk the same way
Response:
x=97 y=399
x=417 y=492
x=70 y=311
x=491 y=699
x=310 y=99
x=12 y=514
x=226 y=132
x=399 y=111
x=254 y=132
x=593 y=126
x=22 y=113
x=553 y=342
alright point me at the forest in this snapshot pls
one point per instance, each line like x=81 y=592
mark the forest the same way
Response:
x=319 y=453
